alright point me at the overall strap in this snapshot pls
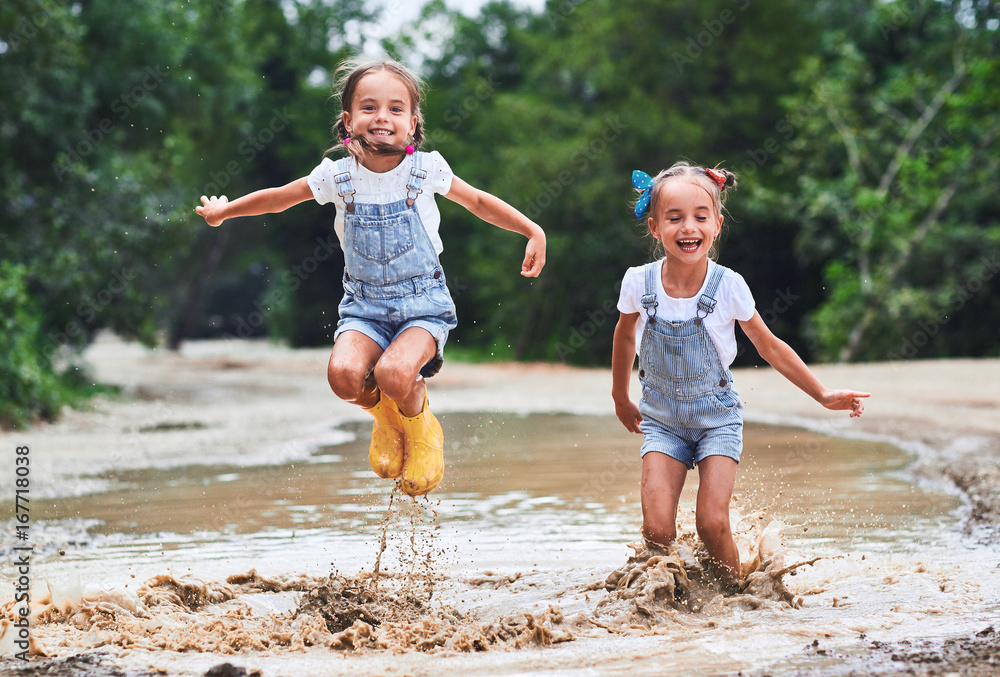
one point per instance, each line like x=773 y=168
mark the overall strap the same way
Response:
x=416 y=180
x=706 y=304
x=649 y=301
x=343 y=180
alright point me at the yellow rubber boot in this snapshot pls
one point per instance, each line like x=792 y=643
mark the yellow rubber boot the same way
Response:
x=423 y=465
x=386 y=451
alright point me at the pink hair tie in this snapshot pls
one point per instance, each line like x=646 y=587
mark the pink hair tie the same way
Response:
x=410 y=149
x=347 y=140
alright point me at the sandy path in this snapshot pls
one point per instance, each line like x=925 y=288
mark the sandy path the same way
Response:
x=216 y=401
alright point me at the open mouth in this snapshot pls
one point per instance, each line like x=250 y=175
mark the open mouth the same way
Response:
x=380 y=132
x=689 y=245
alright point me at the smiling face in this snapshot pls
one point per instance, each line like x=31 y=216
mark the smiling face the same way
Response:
x=684 y=219
x=381 y=109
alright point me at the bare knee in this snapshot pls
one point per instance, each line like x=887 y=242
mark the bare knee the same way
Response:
x=396 y=377
x=346 y=377
x=713 y=525
x=660 y=533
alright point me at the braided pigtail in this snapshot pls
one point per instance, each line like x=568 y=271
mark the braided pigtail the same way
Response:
x=418 y=132
x=352 y=146
x=355 y=146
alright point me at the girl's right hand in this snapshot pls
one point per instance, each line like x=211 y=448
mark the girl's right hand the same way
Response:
x=534 y=255
x=628 y=414
x=212 y=209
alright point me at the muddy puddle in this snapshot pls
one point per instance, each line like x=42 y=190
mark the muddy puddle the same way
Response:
x=525 y=560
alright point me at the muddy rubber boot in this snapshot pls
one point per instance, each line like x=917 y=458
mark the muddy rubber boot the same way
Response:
x=423 y=465
x=386 y=451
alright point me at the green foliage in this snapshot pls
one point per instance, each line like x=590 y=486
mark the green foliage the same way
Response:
x=894 y=154
x=866 y=222
x=272 y=132
x=552 y=112
x=34 y=385
x=114 y=118
x=28 y=383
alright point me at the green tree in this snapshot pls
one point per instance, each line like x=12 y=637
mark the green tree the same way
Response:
x=268 y=279
x=28 y=386
x=76 y=214
x=895 y=152
x=552 y=112
x=114 y=118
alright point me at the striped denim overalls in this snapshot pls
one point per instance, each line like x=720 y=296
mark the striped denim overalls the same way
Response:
x=689 y=407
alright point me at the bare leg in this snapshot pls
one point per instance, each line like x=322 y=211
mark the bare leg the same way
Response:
x=349 y=371
x=717 y=476
x=662 y=481
x=397 y=374
x=397 y=371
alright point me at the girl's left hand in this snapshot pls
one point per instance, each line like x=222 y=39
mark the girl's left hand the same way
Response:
x=534 y=256
x=212 y=209
x=845 y=399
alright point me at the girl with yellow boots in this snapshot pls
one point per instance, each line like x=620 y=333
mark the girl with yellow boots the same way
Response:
x=397 y=311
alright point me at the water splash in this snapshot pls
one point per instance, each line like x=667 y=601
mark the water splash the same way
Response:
x=658 y=582
x=397 y=611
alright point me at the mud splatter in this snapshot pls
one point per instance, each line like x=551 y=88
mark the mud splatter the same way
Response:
x=396 y=611
x=391 y=618
x=658 y=582
x=382 y=610
x=169 y=613
x=417 y=553
x=652 y=577
x=764 y=577
x=979 y=479
x=971 y=655
x=230 y=670
x=97 y=664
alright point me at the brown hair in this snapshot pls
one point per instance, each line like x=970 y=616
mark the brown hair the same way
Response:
x=346 y=81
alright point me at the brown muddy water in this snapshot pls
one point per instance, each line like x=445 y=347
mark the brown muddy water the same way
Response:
x=519 y=563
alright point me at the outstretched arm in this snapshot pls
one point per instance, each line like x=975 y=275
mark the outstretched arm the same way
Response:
x=215 y=210
x=622 y=359
x=788 y=363
x=494 y=210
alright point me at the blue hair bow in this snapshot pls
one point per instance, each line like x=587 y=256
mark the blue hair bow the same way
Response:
x=642 y=182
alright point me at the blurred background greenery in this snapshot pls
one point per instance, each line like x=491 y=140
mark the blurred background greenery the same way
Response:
x=864 y=134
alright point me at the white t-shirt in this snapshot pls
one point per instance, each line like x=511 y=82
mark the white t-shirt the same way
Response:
x=733 y=302
x=385 y=188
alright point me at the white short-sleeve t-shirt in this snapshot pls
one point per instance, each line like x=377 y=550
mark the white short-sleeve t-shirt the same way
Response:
x=734 y=301
x=385 y=188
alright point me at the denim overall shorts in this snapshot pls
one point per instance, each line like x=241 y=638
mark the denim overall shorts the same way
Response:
x=689 y=408
x=393 y=279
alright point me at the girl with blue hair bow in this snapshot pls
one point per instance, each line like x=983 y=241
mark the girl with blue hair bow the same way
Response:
x=678 y=314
